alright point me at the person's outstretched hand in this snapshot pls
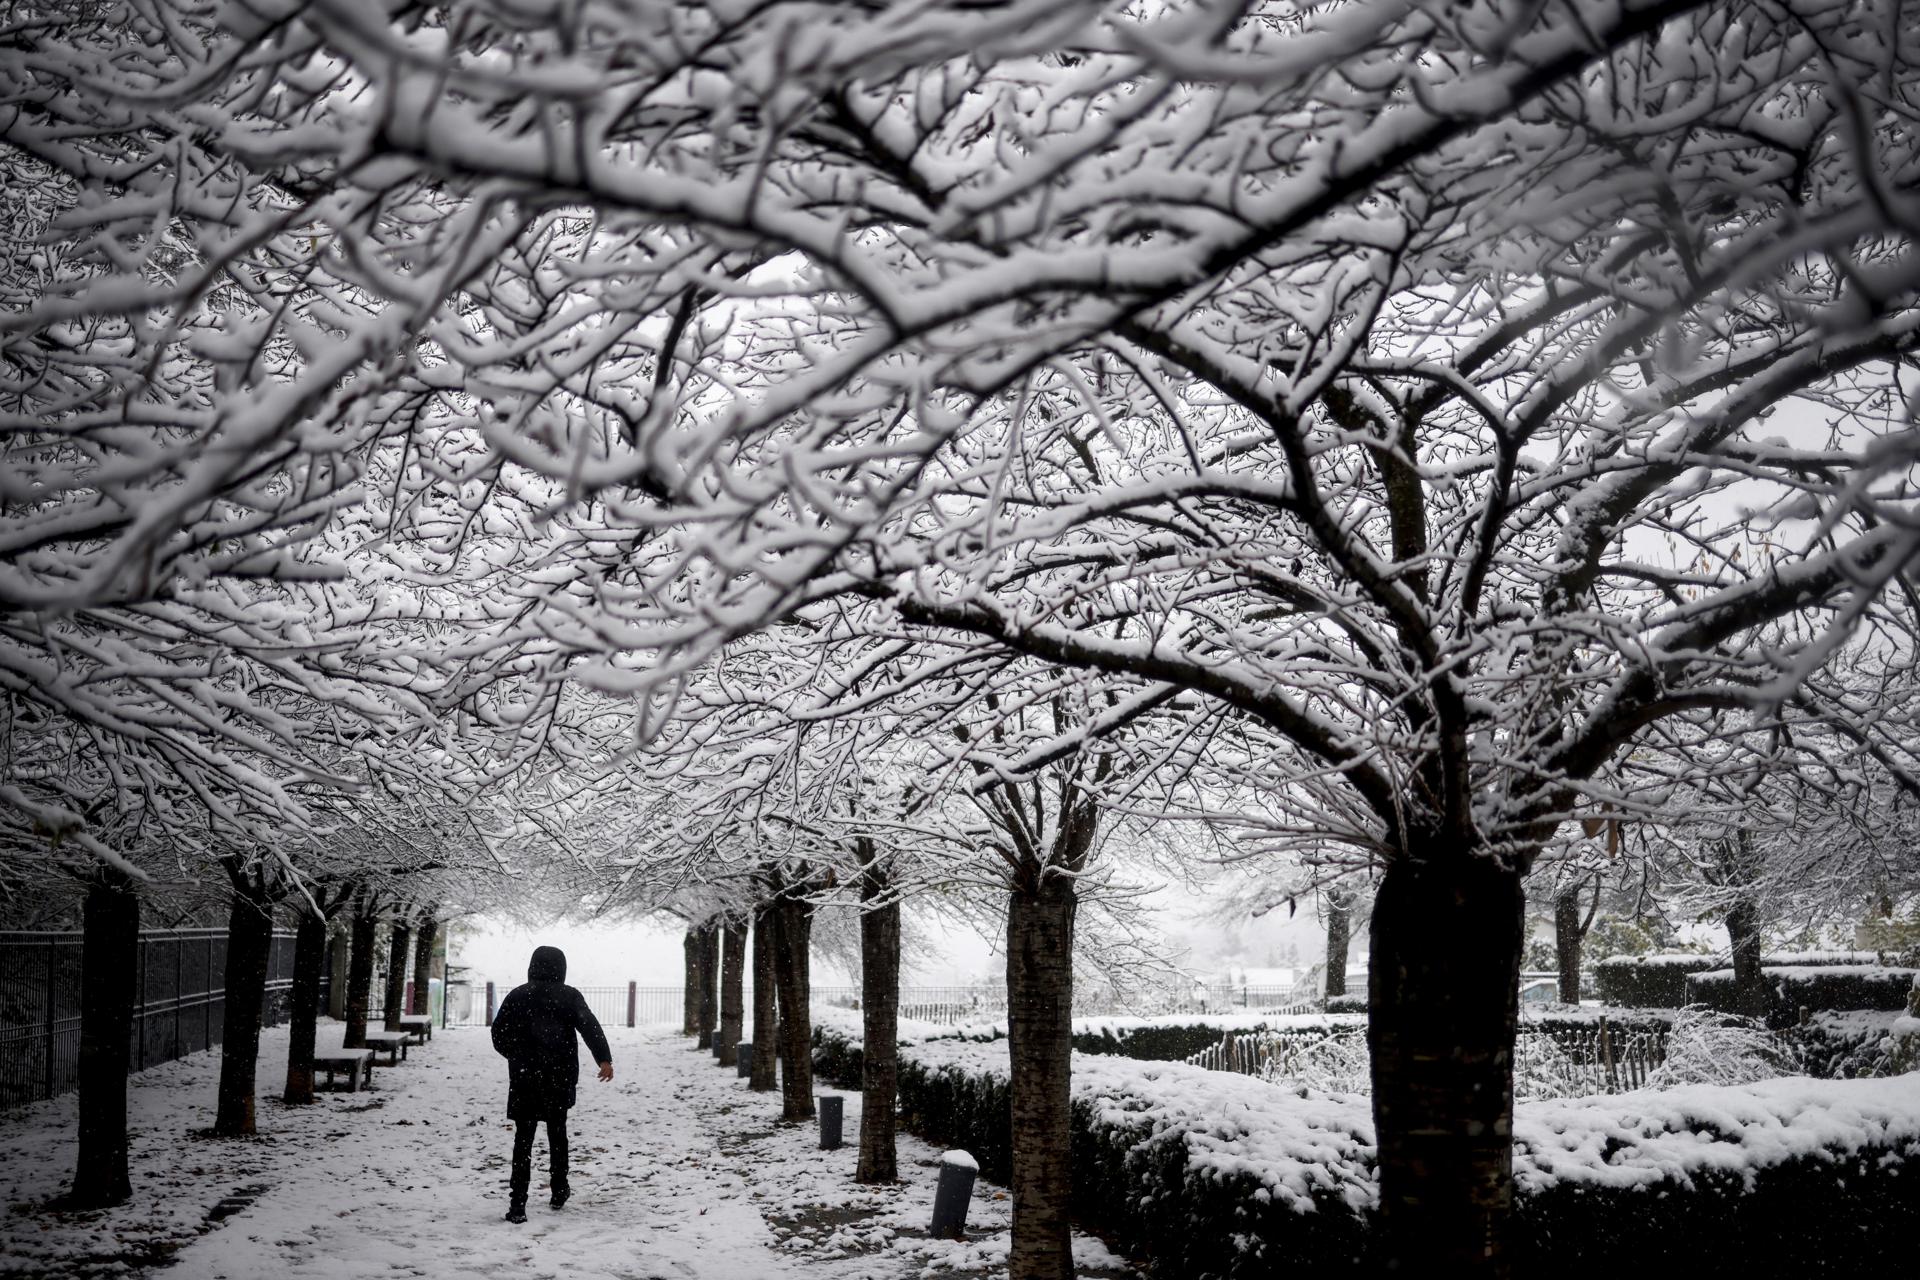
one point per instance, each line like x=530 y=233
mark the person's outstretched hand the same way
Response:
x=606 y=1071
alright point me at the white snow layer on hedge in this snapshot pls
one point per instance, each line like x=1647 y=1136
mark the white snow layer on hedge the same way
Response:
x=1681 y=959
x=1638 y=1139
x=1292 y=1141
x=1231 y=1124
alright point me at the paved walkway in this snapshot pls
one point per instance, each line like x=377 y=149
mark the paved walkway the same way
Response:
x=678 y=1171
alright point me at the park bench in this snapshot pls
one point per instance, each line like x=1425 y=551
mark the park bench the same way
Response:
x=391 y=1043
x=418 y=1025
x=357 y=1063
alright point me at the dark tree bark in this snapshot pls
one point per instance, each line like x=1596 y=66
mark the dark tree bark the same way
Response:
x=1040 y=924
x=709 y=977
x=1750 y=996
x=690 y=986
x=1568 y=935
x=1339 y=936
x=733 y=977
x=766 y=1015
x=360 y=974
x=339 y=956
x=1737 y=872
x=880 y=1006
x=309 y=957
x=249 y=944
x=397 y=940
x=1448 y=931
x=109 y=963
x=793 y=939
x=423 y=940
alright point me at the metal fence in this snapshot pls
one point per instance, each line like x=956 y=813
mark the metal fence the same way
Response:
x=635 y=1005
x=1555 y=1062
x=179 y=1003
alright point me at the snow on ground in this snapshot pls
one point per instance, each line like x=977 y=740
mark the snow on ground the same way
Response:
x=678 y=1171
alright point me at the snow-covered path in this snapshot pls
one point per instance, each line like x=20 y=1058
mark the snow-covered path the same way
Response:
x=678 y=1171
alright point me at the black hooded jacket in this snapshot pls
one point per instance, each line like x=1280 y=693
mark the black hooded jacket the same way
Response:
x=534 y=1029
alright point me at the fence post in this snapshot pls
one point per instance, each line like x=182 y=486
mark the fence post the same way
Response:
x=489 y=1004
x=206 y=998
x=48 y=1055
x=633 y=1001
x=139 y=1010
x=1606 y=1056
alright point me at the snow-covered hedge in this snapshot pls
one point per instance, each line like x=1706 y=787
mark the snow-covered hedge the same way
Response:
x=1660 y=981
x=1207 y=1174
x=1178 y=1037
x=1847 y=1044
x=1796 y=987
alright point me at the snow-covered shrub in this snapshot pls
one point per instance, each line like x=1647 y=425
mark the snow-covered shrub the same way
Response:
x=1330 y=1063
x=1542 y=1068
x=1707 y=1046
x=1660 y=981
x=1902 y=1045
x=1649 y=982
x=1846 y=1044
x=1209 y=1175
x=1792 y=988
x=1177 y=1037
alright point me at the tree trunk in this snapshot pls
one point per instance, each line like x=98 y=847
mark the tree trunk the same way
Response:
x=709 y=976
x=690 y=987
x=1040 y=923
x=733 y=978
x=1750 y=995
x=793 y=938
x=397 y=940
x=109 y=964
x=423 y=941
x=1738 y=870
x=1339 y=934
x=766 y=1018
x=880 y=1006
x=309 y=957
x=249 y=944
x=339 y=956
x=1447 y=936
x=1567 y=936
x=359 y=978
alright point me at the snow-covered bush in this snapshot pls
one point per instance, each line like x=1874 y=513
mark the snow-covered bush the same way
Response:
x=1846 y=1044
x=1329 y=1063
x=1209 y=1175
x=1649 y=982
x=1707 y=1046
x=1177 y=1038
x=1659 y=981
x=1791 y=988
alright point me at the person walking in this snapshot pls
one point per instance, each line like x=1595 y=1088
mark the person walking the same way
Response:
x=534 y=1030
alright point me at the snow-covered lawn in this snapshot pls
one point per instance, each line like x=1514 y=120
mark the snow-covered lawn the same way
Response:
x=678 y=1171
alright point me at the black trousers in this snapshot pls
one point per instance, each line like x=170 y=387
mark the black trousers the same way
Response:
x=523 y=1154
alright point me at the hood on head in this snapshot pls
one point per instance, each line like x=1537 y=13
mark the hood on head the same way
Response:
x=549 y=964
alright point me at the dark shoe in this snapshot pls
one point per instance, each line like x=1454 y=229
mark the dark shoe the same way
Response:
x=516 y=1213
x=560 y=1199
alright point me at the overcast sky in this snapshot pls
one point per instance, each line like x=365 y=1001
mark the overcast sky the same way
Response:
x=611 y=955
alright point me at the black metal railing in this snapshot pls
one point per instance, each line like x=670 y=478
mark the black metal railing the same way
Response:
x=179 y=1003
x=635 y=1005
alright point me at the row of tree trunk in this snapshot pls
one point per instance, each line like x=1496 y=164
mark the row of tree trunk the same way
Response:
x=780 y=932
x=109 y=965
